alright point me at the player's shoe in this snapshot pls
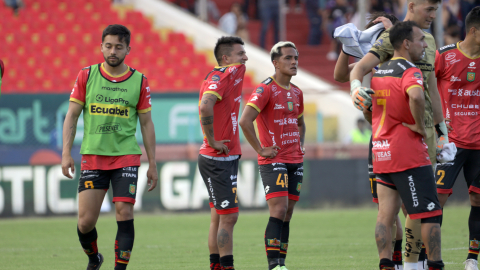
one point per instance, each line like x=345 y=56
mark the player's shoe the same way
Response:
x=471 y=264
x=411 y=266
x=215 y=266
x=422 y=265
x=278 y=267
x=398 y=267
x=283 y=268
x=96 y=266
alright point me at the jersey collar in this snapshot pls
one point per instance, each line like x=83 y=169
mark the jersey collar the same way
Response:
x=234 y=64
x=466 y=55
x=289 y=85
x=118 y=76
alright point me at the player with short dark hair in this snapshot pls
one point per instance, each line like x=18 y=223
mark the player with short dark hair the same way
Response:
x=457 y=66
x=277 y=106
x=423 y=12
x=400 y=157
x=112 y=97
x=219 y=105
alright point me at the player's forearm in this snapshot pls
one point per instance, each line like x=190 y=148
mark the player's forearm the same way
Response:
x=417 y=108
x=249 y=133
x=302 y=129
x=69 y=131
x=206 y=118
x=436 y=106
x=342 y=69
x=149 y=141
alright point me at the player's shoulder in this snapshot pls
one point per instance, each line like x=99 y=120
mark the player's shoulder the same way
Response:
x=296 y=89
x=383 y=41
x=447 y=48
x=396 y=67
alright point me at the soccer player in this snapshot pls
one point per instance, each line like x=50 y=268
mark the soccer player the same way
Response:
x=422 y=12
x=277 y=105
x=112 y=97
x=456 y=69
x=400 y=157
x=342 y=74
x=219 y=105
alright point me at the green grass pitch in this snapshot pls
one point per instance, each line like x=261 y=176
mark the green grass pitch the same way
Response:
x=319 y=239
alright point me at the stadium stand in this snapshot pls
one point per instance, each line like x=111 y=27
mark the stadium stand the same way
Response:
x=49 y=41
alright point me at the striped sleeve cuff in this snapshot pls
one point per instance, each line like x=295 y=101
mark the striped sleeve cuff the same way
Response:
x=213 y=93
x=77 y=101
x=145 y=110
x=254 y=106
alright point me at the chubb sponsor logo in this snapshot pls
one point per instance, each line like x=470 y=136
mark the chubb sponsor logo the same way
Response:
x=465 y=106
x=381 y=144
x=109 y=110
x=114 y=89
x=108 y=128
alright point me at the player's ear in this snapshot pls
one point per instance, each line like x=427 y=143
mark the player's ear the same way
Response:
x=128 y=49
x=410 y=6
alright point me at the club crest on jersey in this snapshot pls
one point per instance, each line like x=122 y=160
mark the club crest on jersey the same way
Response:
x=132 y=189
x=259 y=90
x=470 y=76
x=290 y=106
x=215 y=78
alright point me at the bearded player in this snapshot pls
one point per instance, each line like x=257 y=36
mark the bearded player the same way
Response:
x=219 y=105
x=113 y=97
x=401 y=160
x=277 y=106
x=422 y=12
x=457 y=66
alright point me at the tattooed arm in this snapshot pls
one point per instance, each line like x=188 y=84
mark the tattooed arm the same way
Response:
x=206 y=117
x=69 y=131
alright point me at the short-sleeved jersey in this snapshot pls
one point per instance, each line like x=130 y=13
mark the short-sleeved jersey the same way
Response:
x=78 y=95
x=396 y=148
x=460 y=92
x=277 y=122
x=226 y=84
x=383 y=50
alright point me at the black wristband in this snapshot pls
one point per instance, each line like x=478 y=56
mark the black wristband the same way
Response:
x=439 y=132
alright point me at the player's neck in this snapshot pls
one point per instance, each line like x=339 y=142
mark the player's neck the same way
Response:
x=282 y=79
x=115 y=71
x=469 y=47
x=402 y=54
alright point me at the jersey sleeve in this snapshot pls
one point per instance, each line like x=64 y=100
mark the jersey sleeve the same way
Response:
x=382 y=48
x=80 y=88
x=259 y=98
x=145 y=101
x=217 y=85
x=412 y=78
x=439 y=65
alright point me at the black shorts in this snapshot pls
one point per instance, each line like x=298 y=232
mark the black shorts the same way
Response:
x=282 y=179
x=446 y=173
x=220 y=178
x=371 y=176
x=417 y=189
x=124 y=182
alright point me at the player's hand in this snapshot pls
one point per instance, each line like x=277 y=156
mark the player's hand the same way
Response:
x=269 y=152
x=420 y=129
x=67 y=162
x=152 y=177
x=386 y=22
x=361 y=97
x=220 y=146
x=447 y=123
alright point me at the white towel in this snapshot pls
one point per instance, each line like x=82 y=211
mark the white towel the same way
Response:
x=448 y=153
x=355 y=42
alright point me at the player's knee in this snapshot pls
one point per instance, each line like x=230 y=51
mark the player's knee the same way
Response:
x=124 y=211
x=85 y=225
x=442 y=198
x=475 y=199
x=280 y=211
x=229 y=219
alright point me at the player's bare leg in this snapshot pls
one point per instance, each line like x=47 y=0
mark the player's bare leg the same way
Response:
x=278 y=207
x=225 y=239
x=474 y=230
x=212 y=240
x=125 y=234
x=397 y=244
x=89 y=204
x=431 y=236
x=388 y=206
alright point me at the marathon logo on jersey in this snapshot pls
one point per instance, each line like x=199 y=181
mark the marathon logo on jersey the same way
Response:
x=108 y=128
x=385 y=71
x=383 y=156
x=114 y=89
x=381 y=144
x=109 y=110
x=450 y=56
x=413 y=191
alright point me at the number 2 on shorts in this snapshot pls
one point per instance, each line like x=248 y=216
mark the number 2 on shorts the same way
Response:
x=281 y=182
x=442 y=175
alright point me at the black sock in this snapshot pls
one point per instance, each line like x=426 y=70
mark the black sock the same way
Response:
x=474 y=228
x=124 y=243
x=89 y=244
x=284 y=242
x=384 y=263
x=421 y=257
x=227 y=262
x=273 y=235
x=214 y=261
x=435 y=265
x=397 y=252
